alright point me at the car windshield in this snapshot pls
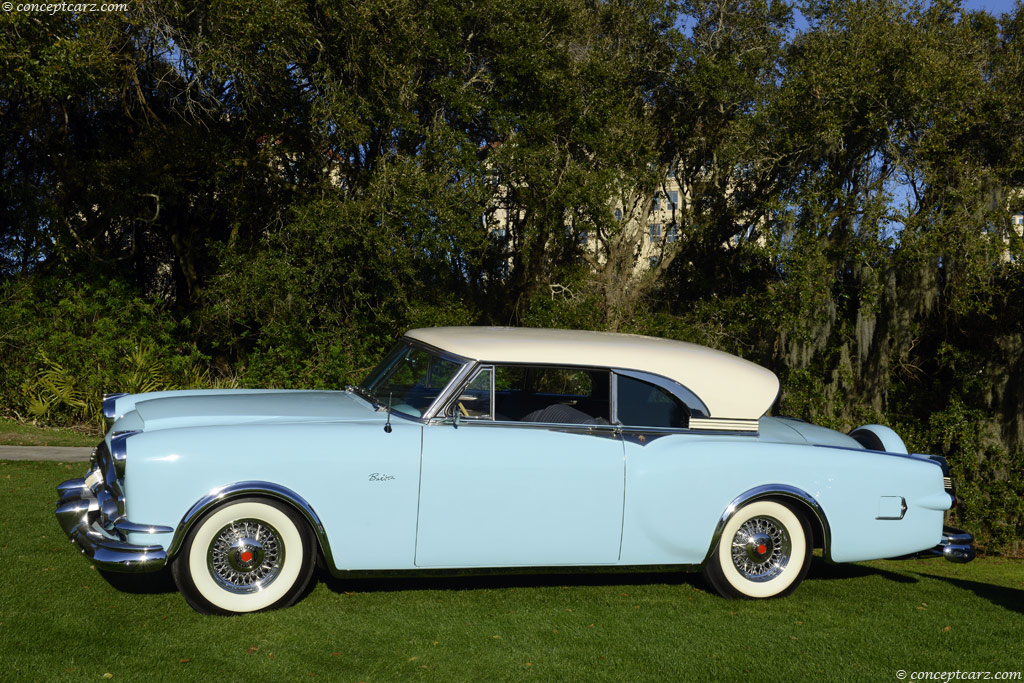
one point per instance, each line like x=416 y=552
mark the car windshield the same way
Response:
x=410 y=378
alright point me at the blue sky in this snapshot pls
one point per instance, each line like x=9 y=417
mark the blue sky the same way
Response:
x=995 y=7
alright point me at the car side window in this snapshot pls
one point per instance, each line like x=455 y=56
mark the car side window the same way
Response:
x=550 y=394
x=642 y=404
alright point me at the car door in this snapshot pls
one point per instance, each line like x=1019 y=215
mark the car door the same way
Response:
x=515 y=482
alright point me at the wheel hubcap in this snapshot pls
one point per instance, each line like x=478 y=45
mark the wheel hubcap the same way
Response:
x=246 y=556
x=761 y=549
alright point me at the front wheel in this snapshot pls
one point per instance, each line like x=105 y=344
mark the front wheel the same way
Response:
x=764 y=552
x=245 y=556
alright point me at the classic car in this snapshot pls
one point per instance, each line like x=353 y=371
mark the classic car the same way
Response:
x=481 y=447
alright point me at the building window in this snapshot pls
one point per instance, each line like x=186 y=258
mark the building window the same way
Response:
x=673 y=201
x=583 y=238
x=653 y=261
x=672 y=233
x=656 y=204
x=655 y=232
x=618 y=215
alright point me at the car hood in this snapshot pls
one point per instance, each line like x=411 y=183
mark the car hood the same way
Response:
x=218 y=408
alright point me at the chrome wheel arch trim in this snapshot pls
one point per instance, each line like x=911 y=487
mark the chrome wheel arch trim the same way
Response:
x=258 y=489
x=780 y=492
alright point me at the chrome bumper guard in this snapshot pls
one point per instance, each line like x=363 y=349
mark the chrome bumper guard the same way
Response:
x=956 y=546
x=91 y=512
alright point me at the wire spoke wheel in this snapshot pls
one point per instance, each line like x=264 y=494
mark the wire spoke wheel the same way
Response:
x=761 y=549
x=763 y=552
x=245 y=556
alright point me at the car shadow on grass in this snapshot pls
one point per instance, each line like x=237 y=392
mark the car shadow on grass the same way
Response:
x=489 y=579
x=1007 y=598
x=147 y=583
x=470 y=580
x=825 y=571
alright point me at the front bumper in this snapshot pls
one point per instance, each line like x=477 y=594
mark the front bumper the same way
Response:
x=90 y=510
x=956 y=546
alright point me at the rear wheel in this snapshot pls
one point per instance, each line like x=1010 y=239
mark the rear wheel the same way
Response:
x=764 y=552
x=245 y=556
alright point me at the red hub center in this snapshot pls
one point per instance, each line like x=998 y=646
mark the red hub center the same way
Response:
x=761 y=549
x=247 y=556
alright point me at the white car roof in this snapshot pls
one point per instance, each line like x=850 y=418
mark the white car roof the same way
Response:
x=731 y=388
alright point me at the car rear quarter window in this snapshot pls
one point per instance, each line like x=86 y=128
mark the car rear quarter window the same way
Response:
x=642 y=404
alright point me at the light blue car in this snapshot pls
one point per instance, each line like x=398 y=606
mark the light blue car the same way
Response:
x=478 y=447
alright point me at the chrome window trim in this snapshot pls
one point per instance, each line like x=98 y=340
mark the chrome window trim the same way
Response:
x=450 y=390
x=613 y=430
x=478 y=368
x=683 y=393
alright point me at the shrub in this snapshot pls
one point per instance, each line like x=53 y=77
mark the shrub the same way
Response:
x=68 y=341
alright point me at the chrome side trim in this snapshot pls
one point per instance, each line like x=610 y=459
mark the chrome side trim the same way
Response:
x=251 y=488
x=774 y=491
x=724 y=424
x=126 y=527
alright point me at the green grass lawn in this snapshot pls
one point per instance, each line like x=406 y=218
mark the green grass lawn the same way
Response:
x=14 y=433
x=60 y=620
